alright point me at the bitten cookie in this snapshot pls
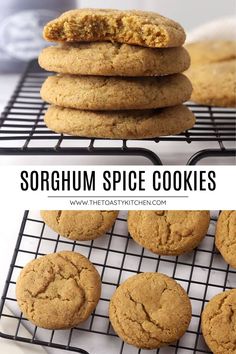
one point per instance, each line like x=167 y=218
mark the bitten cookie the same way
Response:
x=142 y=28
x=219 y=323
x=214 y=84
x=120 y=125
x=150 y=310
x=214 y=51
x=168 y=232
x=113 y=59
x=225 y=238
x=80 y=225
x=116 y=93
x=58 y=290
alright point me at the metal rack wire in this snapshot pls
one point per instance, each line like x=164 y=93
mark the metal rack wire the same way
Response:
x=22 y=124
x=203 y=273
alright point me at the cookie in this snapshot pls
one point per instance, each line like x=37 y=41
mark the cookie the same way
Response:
x=219 y=323
x=80 y=225
x=115 y=93
x=113 y=59
x=142 y=28
x=168 y=232
x=59 y=290
x=214 y=51
x=214 y=84
x=150 y=310
x=225 y=238
x=121 y=124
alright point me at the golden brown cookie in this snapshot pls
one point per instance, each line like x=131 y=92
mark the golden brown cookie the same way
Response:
x=146 y=29
x=80 y=224
x=214 y=84
x=120 y=125
x=214 y=51
x=226 y=236
x=116 y=93
x=168 y=232
x=150 y=310
x=58 y=290
x=219 y=323
x=113 y=59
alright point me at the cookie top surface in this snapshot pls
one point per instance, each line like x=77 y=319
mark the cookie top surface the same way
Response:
x=115 y=93
x=79 y=224
x=207 y=52
x=151 y=318
x=226 y=236
x=58 y=290
x=214 y=84
x=121 y=124
x=219 y=323
x=113 y=59
x=142 y=28
x=168 y=232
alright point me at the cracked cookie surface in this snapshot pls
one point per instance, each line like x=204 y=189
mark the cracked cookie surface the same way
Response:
x=58 y=290
x=219 y=323
x=79 y=224
x=116 y=93
x=136 y=124
x=214 y=84
x=148 y=29
x=212 y=72
x=215 y=51
x=113 y=59
x=150 y=310
x=168 y=232
x=225 y=238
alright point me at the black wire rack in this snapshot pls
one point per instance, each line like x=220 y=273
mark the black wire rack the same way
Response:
x=203 y=273
x=22 y=124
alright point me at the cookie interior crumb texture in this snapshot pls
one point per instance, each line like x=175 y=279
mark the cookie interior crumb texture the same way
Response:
x=132 y=27
x=58 y=290
x=150 y=310
x=219 y=323
x=80 y=225
x=168 y=232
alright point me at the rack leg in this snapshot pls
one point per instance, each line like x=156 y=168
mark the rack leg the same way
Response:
x=211 y=153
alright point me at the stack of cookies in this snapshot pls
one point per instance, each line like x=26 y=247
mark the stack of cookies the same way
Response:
x=119 y=75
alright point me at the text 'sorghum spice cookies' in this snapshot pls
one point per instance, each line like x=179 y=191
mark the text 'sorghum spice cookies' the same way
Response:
x=142 y=28
x=115 y=93
x=59 y=290
x=130 y=124
x=150 y=310
x=219 y=323
x=213 y=72
x=225 y=238
x=168 y=232
x=113 y=59
x=80 y=225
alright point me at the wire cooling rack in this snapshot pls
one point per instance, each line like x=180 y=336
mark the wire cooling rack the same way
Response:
x=203 y=273
x=22 y=125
